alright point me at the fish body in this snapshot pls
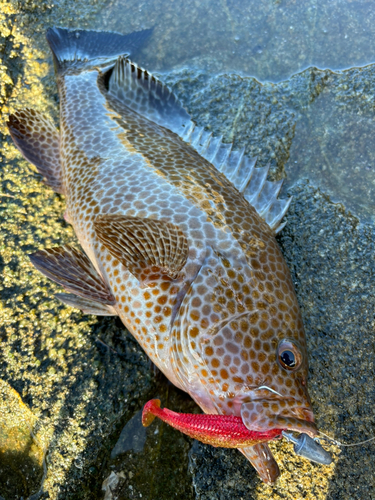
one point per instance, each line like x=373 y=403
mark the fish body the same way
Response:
x=173 y=245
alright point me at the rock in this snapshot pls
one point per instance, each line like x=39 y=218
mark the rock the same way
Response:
x=22 y=463
x=109 y=485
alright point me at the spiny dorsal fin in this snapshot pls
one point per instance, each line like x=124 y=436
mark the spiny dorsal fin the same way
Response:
x=38 y=140
x=86 y=305
x=241 y=171
x=143 y=246
x=73 y=270
x=144 y=94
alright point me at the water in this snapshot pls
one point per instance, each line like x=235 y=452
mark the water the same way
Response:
x=334 y=147
x=268 y=39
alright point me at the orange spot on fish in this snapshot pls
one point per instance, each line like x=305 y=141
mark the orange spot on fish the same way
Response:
x=194 y=332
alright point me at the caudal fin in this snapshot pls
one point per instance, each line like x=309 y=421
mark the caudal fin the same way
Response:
x=78 y=48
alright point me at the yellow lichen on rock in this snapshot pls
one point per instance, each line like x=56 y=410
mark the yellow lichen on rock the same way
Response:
x=25 y=88
x=299 y=477
x=20 y=450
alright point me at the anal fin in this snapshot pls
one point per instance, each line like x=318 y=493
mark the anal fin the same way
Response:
x=144 y=246
x=73 y=270
x=86 y=305
x=38 y=140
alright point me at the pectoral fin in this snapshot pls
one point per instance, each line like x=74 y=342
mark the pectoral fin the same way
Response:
x=144 y=246
x=87 y=306
x=73 y=270
x=38 y=140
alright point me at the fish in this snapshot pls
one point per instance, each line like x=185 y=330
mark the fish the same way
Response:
x=177 y=234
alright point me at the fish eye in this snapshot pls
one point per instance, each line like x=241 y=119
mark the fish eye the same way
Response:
x=289 y=356
x=288 y=359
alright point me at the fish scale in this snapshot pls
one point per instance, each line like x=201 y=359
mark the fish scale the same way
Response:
x=186 y=256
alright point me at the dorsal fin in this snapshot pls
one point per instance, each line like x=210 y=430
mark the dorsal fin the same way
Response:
x=73 y=270
x=146 y=95
x=38 y=140
x=143 y=93
x=144 y=246
x=241 y=171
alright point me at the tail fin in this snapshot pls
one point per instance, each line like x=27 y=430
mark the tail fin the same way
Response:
x=75 y=48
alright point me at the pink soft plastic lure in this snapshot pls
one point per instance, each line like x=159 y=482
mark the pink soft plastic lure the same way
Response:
x=227 y=431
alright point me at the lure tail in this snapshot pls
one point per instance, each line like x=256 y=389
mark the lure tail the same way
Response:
x=79 y=48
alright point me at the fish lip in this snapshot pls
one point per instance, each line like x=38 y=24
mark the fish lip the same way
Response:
x=296 y=411
x=299 y=426
x=305 y=412
x=303 y=426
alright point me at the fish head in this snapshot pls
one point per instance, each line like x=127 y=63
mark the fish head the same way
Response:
x=282 y=400
x=260 y=377
x=252 y=347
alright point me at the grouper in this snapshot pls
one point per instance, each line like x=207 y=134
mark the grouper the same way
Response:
x=177 y=235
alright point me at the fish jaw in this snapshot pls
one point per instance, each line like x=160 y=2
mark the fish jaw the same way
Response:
x=288 y=413
x=226 y=431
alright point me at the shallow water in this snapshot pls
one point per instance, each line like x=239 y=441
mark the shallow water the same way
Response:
x=268 y=39
x=334 y=147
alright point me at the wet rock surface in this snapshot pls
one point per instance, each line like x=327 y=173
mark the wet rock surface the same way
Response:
x=22 y=457
x=152 y=462
x=82 y=379
x=316 y=125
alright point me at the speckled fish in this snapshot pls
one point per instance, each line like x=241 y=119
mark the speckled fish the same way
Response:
x=178 y=233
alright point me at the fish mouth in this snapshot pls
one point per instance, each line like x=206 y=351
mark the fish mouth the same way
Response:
x=278 y=412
